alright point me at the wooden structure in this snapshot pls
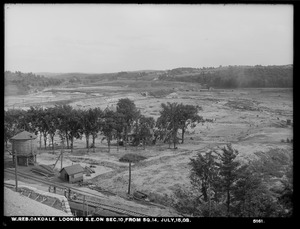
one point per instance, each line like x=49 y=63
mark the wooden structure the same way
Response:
x=24 y=146
x=72 y=173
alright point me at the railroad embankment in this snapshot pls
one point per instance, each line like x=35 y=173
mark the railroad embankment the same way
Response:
x=31 y=201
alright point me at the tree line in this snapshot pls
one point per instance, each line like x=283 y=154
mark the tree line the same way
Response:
x=223 y=187
x=238 y=76
x=27 y=81
x=71 y=124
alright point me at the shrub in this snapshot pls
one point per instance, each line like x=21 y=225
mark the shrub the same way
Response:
x=160 y=199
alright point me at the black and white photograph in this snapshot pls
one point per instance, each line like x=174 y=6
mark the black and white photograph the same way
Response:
x=148 y=112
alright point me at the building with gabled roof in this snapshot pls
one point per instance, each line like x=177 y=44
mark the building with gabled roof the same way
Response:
x=72 y=173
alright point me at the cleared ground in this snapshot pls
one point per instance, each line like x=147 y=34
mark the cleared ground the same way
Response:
x=253 y=120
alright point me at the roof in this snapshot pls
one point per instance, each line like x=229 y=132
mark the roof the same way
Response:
x=24 y=136
x=73 y=169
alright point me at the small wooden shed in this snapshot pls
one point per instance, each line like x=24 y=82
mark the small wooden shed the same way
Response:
x=72 y=173
x=24 y=146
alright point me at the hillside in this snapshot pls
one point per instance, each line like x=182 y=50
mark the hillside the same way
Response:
x=234 y=76
x=18 y=83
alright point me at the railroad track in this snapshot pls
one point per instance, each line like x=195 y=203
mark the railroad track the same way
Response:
x=84 y=193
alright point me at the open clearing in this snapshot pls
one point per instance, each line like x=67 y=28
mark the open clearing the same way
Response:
x=253 y=120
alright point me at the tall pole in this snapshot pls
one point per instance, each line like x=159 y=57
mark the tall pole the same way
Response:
x=209 y=212
x=62 y=153
x=129 y=178
x=87 y=208
x=83 y=200
x=31 y=149
x=16 y=172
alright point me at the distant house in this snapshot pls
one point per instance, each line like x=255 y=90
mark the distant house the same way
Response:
x=72 y=173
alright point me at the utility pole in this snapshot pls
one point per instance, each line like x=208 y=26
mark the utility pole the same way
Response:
x=87 y=208
x=83 y=205
x=209 y=212
x=16 y=172
x=31 y=149
x=62 y=153
x=129 y=178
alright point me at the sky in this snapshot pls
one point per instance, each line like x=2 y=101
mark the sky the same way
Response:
x=102 y=38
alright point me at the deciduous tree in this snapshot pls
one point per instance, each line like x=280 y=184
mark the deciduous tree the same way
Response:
x=129 y=112
x=144 y=129
x=189 y=118
x=64 y=116
x=52 y=123
x=109 y=125
x=87 y=125
x=95 y=117
x=169 y=121
x=75 y=127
